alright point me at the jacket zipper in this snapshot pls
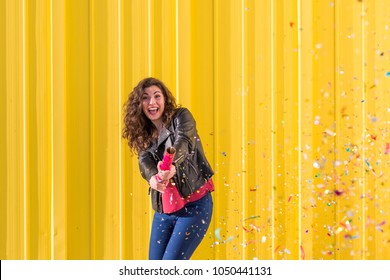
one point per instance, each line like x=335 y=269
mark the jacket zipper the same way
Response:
x=193 y=167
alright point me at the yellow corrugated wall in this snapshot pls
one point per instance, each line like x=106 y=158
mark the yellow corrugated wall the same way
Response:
x=292 y=102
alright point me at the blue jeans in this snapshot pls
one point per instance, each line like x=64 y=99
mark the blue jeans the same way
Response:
x=175 y=236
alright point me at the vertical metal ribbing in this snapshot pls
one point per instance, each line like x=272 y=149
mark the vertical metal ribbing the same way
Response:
x=299 y=127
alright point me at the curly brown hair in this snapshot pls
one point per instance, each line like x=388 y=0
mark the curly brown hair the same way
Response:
x=138 y=129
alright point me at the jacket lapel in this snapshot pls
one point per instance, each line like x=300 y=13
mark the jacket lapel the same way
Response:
x=165 y=133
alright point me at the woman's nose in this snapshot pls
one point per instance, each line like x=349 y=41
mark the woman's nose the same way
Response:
x=152 y=101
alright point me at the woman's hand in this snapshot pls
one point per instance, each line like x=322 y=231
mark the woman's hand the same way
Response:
x=156 y=184
x=166 y=174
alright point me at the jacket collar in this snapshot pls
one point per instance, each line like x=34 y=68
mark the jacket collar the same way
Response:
x=164 y=134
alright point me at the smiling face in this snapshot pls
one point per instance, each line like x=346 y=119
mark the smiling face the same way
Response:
x=153 y=103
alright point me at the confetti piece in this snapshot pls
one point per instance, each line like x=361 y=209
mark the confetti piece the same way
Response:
x=338 y=192
x=373 y=119
x=247 y=230
x=230 y=238
x=253 y=226
x=291 y=24
x=387 y=149
x=302 y=253
x=337 y=163
x=346 y=226
x=329 y=132
x=348 y=236
x=378 y=226
x=372 y=169
x=316 y=165
x=381 y=223
x=218 y=235
x=250 y=218
x=387 y=74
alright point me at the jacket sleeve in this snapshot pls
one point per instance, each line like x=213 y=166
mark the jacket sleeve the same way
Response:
x=147 y=165
x=185 y=135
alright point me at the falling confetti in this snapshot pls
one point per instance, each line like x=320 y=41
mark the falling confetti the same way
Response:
x=302 y=253
x=218 y=235
x=251 y=217
x=338 y=192
x=387 y=149
x=329 y=132
x=316 y=165
x=378 y=226
x=246 y=229
x=351 y=237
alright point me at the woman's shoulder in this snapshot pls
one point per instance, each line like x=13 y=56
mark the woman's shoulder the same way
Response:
x=180 y=111
x=183 y=115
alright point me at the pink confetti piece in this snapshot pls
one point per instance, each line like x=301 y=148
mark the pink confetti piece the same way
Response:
x=351 y=237
x=381 y=223
x=387 y=149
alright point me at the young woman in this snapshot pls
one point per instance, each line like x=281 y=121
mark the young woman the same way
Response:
x=152 y=124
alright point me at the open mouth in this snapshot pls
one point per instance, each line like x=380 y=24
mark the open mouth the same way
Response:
x=153 y=111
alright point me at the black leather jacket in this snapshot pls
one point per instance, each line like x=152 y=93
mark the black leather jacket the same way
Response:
x=192 y=167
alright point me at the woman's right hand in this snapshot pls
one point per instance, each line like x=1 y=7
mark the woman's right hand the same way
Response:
x=166 y=174
x=155 y=184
